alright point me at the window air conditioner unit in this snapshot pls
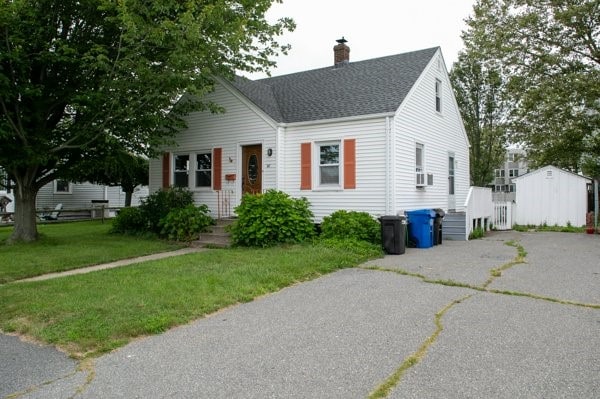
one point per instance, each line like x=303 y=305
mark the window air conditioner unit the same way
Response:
x=421 y=180
x=429 y=179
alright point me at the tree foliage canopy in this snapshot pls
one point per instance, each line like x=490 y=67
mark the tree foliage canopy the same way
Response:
x=74 y=73
x=549 y=52
x=479 y=91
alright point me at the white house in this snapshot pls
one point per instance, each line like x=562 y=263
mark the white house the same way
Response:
x=80 y=195
x=382 y=136
x=553 y=196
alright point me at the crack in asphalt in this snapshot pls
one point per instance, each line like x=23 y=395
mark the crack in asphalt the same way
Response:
x=385 y=388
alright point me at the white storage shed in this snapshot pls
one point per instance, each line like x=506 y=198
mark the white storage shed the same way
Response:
x=552 y=196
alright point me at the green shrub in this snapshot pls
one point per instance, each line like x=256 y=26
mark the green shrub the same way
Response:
x=477 y=232
x=351 y=225
x=272 y=218
x=185 y=224
x=158 y=205
x=129 y=221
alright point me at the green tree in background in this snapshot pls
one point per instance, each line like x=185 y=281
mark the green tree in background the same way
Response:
x=478 y=89
x=117 y=168
x=77 y=73
x=549 y=54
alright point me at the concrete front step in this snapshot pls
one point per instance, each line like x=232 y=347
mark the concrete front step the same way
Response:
x=218 y=236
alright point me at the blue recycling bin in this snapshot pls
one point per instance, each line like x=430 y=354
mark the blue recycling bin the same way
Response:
x=420 y=227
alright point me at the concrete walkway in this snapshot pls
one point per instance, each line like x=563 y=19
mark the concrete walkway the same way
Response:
x=534 y=332
x=112 y=265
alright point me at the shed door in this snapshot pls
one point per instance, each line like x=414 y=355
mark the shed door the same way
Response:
x=252 y=169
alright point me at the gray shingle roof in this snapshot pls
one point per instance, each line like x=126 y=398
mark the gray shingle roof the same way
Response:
x=366 y=87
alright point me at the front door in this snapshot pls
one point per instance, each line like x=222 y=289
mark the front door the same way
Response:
x=252 y=169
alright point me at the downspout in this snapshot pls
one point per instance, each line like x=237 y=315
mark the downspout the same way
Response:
x=390 y=206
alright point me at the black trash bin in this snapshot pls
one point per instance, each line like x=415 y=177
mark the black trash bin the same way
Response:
x=393 y=233
x=437 y=226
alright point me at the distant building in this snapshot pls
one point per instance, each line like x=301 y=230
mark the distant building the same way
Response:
x=515 y=165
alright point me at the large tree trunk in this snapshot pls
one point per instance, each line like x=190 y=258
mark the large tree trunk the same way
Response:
x=128 y=195
x=25 y=215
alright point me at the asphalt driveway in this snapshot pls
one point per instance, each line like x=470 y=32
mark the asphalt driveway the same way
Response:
x=534 y=332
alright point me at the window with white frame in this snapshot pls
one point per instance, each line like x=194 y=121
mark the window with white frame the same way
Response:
x=438 y=95
x=451 y=174
x=204 y=169
x=329 y=163
x=500 y=172
x=181 y=175
x=513 y=172
x=419 y=162
x=62 y=186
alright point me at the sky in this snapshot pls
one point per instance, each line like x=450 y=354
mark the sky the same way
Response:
x=373 y=28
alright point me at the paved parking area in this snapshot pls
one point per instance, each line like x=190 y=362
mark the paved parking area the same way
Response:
x=342 y=335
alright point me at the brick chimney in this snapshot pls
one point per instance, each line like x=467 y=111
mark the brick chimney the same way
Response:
x=341 y=52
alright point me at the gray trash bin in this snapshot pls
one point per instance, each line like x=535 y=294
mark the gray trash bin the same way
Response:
x=393 y=233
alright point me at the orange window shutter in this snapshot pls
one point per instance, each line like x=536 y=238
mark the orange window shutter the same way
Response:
x=166 y=170
x=217 y=168
x=305 y=167
x=350 y=164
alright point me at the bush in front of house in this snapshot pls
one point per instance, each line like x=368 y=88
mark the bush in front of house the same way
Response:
x=351 y=225
x=169 y=213
x=185 y=224
x=129 y=221
x=272 y=218
x=158 y=205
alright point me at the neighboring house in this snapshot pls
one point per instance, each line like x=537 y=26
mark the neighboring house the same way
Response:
x=8 y=204
x=515 y=165
x=551 y=196
x=80 y=195
x=382 y=136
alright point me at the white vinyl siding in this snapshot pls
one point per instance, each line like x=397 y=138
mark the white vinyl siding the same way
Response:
x=82 y=195
x=369 y=194
x=416 y=121
x=240 y=124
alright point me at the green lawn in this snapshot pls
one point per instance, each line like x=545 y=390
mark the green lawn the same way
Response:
x=65 y=246
x=93 y=313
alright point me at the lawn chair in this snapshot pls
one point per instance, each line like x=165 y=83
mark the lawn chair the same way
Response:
x=54 y=214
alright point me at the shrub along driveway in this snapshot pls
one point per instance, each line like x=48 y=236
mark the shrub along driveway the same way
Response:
x=459 y=320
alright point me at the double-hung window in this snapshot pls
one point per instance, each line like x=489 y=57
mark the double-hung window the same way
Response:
x=419 y=168
x=329 y=163
x=204 y=169
x=451 y=174
x=181 y=171
x=438 y=95
x=62 y=186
